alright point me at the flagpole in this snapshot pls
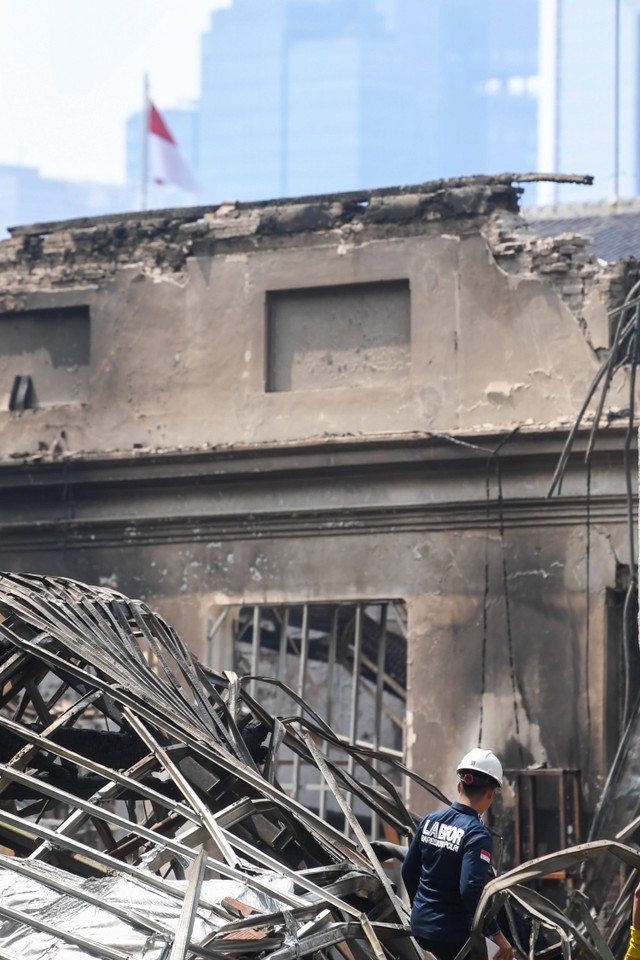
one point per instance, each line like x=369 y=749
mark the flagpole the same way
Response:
x=144 y=150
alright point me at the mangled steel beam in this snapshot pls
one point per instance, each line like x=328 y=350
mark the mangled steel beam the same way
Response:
x=574 y=926
x=139 y=786
x=141 y=814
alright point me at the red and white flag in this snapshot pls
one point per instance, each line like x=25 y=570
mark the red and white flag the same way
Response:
x=166 y=164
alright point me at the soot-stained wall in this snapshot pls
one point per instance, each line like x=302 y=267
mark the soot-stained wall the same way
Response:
x=211 y=449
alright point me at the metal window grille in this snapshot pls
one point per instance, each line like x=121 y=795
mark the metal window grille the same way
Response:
x=347 y=661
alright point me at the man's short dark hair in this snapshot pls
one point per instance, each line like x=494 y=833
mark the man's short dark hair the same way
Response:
x=474 y=784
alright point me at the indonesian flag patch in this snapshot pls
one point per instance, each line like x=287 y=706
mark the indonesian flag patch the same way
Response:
x=485 y=855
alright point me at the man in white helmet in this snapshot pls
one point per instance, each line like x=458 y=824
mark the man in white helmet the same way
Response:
x=447 y=864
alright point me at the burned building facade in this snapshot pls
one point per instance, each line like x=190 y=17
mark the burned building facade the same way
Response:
x=318 y=437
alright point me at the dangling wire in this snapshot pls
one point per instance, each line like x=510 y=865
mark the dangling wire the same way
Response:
x=507 y=608
x=495 y=459
x=626 y=330
x=587 y=641
x=485 y=604
x=625 y=351
x=632 y=589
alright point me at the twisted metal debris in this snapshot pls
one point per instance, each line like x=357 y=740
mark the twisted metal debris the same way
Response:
x=141 y=814
x=124 y=758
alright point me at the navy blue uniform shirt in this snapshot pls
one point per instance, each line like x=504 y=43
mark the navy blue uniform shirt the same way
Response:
x=445 y=871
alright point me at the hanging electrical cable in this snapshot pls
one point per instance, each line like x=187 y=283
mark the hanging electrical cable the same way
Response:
x=587 y=638
x=485 y=604
x=617 y=357
x=632 y=588
x=493 y=462
x=507 y=609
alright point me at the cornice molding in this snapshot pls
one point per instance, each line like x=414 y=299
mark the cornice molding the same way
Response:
x=339 y=488
x=398 y=521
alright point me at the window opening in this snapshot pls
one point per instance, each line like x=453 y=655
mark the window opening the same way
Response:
x=45 y=356
x=347 y=661
x=547 y=816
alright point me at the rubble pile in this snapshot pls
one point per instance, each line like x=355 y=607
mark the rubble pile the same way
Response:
x=141 y=813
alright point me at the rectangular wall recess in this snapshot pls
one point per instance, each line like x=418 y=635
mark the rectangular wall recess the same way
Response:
x=50 y=350
x=355 y=335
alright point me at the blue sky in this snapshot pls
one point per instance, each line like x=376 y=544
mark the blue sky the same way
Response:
x=71 y=71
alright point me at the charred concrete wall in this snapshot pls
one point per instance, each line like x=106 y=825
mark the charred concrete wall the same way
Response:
x=300 y=401
x=180 y=353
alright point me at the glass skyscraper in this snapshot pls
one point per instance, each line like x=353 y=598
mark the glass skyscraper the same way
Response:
x=319 y=96
x=315 y=96
x=588 y=102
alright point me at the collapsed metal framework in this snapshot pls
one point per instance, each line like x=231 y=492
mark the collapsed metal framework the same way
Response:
x=141 y=813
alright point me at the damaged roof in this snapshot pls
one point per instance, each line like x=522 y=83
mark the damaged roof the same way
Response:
x=612 y=228
x=90 y=250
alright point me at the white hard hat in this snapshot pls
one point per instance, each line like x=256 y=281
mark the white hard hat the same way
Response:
x=484 y=761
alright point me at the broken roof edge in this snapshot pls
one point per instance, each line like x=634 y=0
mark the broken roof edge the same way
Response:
x=190 y=214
